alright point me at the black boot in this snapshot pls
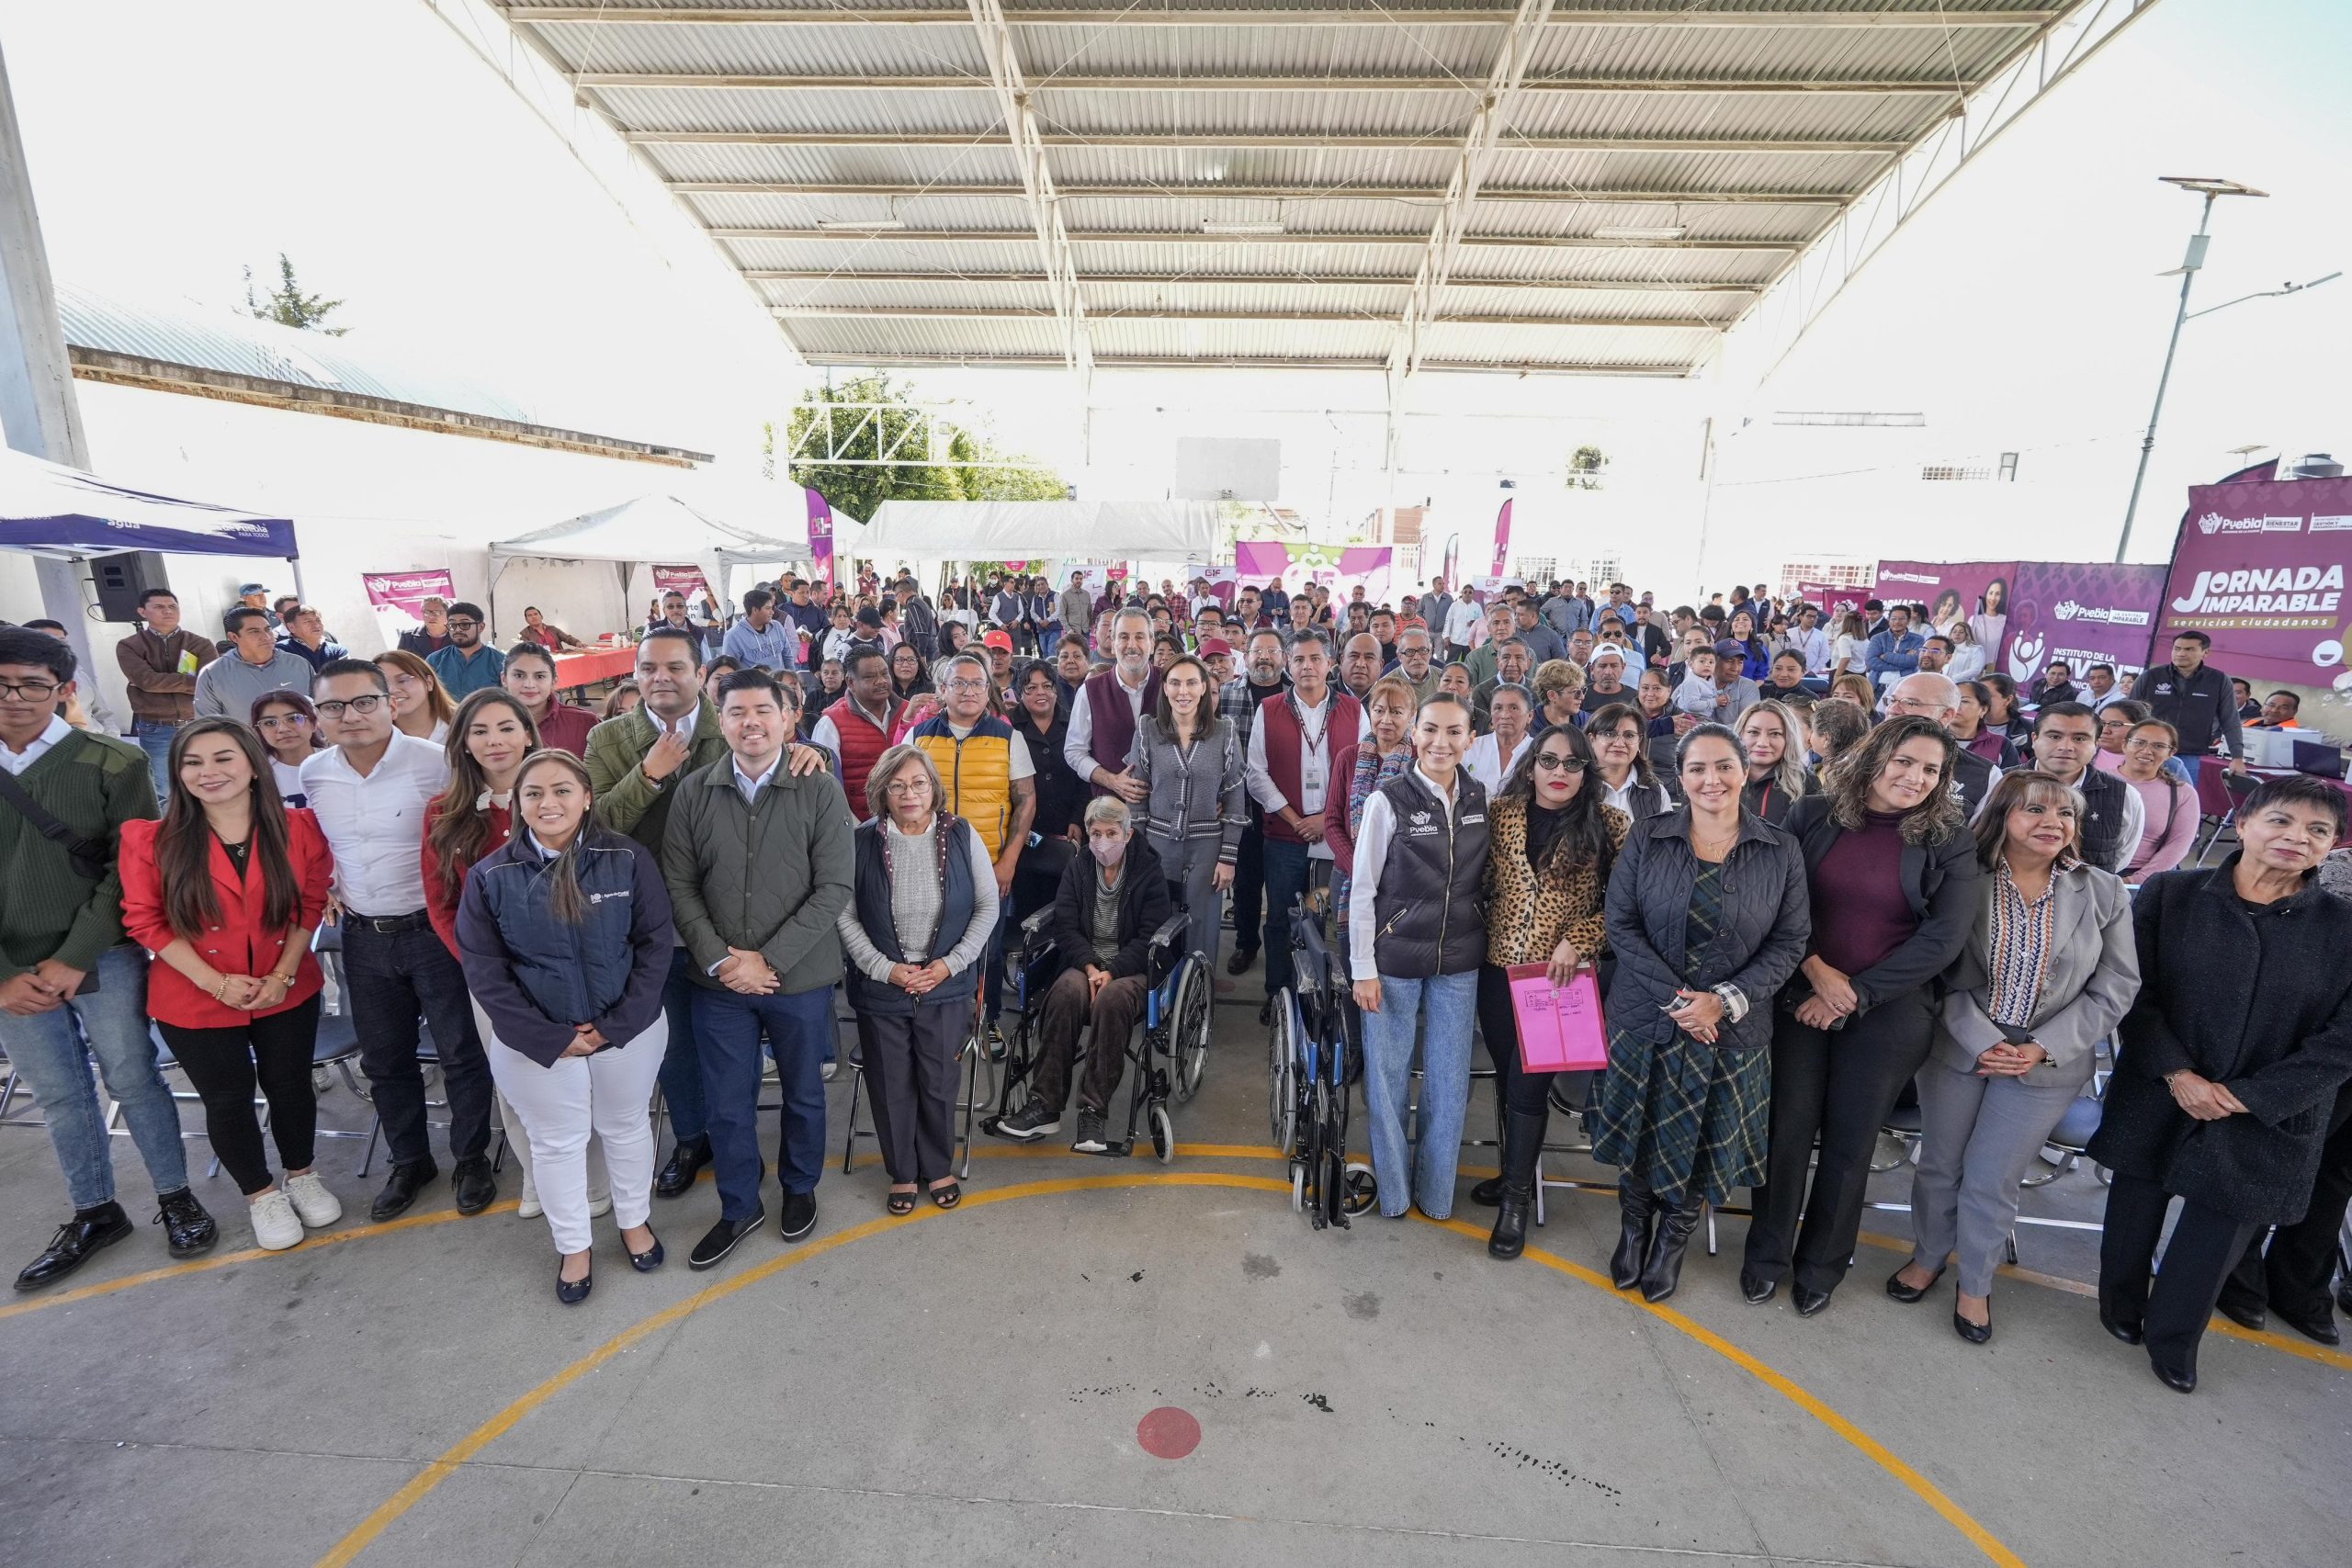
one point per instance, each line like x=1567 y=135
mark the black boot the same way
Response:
x=1522 y=1146
x=1635 y=1204
x=1664 y=1269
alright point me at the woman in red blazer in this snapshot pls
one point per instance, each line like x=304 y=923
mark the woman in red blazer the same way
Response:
x=225 y=890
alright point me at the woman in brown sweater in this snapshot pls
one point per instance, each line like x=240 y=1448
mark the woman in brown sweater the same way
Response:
x=1552 y=843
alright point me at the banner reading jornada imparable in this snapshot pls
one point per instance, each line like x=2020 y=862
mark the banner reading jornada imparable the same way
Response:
x=2259 y=568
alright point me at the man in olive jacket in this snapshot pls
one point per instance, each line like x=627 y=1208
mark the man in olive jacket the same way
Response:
x=759 y=864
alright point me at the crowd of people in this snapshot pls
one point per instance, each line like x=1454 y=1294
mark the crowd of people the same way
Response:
x=1814 y=870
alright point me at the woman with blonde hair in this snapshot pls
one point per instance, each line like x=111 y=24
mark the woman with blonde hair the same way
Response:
x=1558 y=686
x=421 y=704
x=1774 y=738
x=1855 y=689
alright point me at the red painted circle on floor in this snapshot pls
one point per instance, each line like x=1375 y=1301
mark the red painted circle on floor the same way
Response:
x=1169 y=1433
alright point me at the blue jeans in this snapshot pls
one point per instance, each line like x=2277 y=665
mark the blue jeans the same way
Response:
x=1285 y=884
x=55 y=1055
x=155 y=738
x=1450 y=1004
x=680 y=1076
x=797 y=1023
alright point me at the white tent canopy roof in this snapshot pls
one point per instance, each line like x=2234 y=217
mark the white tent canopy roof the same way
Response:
x=667 y=527
x=1021 y=530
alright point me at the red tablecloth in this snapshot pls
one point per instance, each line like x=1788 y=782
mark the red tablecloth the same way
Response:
x=574 y=670
x=2213 y=798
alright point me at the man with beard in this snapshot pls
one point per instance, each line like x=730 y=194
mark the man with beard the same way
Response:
x=1103 y=720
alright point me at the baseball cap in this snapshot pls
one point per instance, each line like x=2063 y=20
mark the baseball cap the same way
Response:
x=1608 y=650
x=999 y=638
x=1728 y=649
x=1214 y=646
x=252 y=588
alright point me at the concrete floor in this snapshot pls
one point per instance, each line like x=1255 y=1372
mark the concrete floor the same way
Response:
x=968 y=1388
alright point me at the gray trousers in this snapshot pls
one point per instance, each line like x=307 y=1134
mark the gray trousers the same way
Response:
x=1189 y=865
x=1978 y=1137
x=910 y=1060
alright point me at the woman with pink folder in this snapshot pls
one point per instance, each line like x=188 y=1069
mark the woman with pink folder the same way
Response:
x=1552 y=843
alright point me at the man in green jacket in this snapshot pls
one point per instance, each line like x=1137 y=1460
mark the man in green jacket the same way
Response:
x=63 y=958
x=758 y=865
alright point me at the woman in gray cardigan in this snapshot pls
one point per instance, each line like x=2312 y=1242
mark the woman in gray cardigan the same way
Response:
x=1189 y=758
x=2047 y=971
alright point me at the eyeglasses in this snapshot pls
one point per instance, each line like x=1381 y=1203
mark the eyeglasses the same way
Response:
x=904 y=787
x=27 y=691
x=458 y=623
x=965 y=684
x=286 y=721
x=2148 y=743
x=1559 y=764
x=359 y=706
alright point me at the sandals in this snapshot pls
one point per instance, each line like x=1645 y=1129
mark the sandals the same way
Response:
x=947 y=1197
x=902 y=1203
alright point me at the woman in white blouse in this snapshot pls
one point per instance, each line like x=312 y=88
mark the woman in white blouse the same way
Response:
x=1494 y=754
x=1968 y=655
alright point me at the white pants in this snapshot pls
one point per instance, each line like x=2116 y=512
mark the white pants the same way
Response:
x=609 y=1093
x=519 y=1142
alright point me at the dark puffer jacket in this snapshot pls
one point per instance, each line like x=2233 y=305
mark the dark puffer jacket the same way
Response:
x=1764 y=906
x=1143 y=908
x=536 y=975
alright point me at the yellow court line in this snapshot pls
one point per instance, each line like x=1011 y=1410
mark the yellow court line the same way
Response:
x=362 y=1536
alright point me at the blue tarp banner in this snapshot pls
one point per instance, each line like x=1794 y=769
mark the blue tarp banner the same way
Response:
x=58 y=511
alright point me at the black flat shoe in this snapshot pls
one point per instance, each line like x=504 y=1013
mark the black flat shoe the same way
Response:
x=2180 y=1383
x=799 y=1215
x=473 y=1184
x=400 y=1189
x=686 y=1163
x=1904 y=1294
x=2130 y=1333
x=1488 y=1194
x=1240 y=961
x=650 y=1259
x=1807 y=1301
x=1756 y=1288
x=2321 y=1328
x=720 y=1239
x=2254 y=1317
x=572 y=1293
x=187 y=1229
x=76 y=1241
x=1974 y=1333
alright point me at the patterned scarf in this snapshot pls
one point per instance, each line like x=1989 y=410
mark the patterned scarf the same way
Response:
x=1372 y=768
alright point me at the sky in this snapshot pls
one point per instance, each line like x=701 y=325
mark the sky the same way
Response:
x=2021 y=313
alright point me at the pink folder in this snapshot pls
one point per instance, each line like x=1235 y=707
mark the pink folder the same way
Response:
x=1560 y=1027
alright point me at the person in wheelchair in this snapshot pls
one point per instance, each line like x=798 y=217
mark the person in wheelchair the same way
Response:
x=1110 y=901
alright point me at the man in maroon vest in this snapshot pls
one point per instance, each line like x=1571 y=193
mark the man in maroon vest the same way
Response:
x=1103 y=720
x=856 y=729
x=1289 y=774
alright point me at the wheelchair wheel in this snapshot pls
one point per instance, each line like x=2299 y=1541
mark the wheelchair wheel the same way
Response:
x=1363 y=1188
x=1163 y=1134
x=1282 y=1074
x=1191 y=1027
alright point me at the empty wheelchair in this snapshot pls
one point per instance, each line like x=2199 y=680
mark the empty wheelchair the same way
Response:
x=1314 y=1060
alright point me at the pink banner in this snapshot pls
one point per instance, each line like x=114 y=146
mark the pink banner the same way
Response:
x=1976 y=591
x=398 y=597
x=1337 y=566
x=2084 y=614
x=820 y=537
x=685 y=580
x=2259 y=568
x=1502 y=537
x=1834 y=602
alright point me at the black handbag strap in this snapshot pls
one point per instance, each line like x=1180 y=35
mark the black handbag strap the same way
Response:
x=90 y=859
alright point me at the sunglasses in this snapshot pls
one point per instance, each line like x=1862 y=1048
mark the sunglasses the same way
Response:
x=1557 y=763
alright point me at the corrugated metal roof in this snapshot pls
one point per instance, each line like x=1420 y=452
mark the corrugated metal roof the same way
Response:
x=1657 y=170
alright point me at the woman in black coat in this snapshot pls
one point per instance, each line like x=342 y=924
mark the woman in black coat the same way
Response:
x=2226 y=1068
x=1894 y=877
x=1706 y=914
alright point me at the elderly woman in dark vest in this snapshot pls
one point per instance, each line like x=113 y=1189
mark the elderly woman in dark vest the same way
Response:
x=1707 y=918
x=1110 y=705
x=2226 y=1068
x=1895 y=884
x=915 y=932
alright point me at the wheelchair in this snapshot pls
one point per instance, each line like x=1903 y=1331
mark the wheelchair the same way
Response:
x=1314 y=1060
x=1171 y=1042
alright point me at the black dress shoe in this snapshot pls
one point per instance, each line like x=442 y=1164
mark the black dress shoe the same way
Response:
x=475 y=1187
x=721 y=1240
x=572 y=1293
x=2321 y=1328
x=400 y=1189
x=1807 y=1300
x=2179 y=1381
x=1242 y=958
x=1904 y=1294
x=648 y=1261
x=187 y=1229
x=1266 y=1013
x=75 y=1240
x=686 y=1163
x=1756 y=1288
x=2130 y=1333
x=2255 y=1316
x=799 y=1215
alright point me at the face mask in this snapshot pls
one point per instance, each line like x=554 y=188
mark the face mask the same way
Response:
x=1110 y=851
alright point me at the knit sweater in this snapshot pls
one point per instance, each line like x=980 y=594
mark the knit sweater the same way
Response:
x=92 y=783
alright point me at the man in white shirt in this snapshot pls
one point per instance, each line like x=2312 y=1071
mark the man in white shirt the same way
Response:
x=1099 y=735
x=2101 y=690
x=1812 y=641
x=1288 y=773
x=370 y=794
x=1462 y=625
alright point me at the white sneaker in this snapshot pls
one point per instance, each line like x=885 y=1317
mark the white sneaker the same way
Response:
x=316 y=1206
x=275 y=1224
x=528 y=1209
x=599 y=1206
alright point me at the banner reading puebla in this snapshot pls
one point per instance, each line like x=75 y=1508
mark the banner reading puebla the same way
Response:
x=398 y=597
x=1337 y=566
x=2259 y=568
x=1976 y=591
x=2082 y=614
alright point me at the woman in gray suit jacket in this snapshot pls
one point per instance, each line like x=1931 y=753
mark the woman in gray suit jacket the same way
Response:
x=2047 y=972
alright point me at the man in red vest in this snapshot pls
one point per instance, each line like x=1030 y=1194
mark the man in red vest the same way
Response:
x=856 y=729
x=1103 y=719
x=1289 y=773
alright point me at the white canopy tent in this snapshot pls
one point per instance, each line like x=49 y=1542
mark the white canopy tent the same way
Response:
x=1031 y=530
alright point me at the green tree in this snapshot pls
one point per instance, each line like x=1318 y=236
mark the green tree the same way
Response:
x=289 y=306
x=893 y=428
x=1585 y=466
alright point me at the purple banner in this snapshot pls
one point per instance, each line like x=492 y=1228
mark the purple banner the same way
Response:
x=1976 y=592
x=2259 y=568
x=1502 y=537
x=2084 y=614
x=820 y=537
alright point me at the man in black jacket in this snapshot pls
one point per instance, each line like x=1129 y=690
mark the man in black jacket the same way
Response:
x=1111 y=900
x=2194 y=698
